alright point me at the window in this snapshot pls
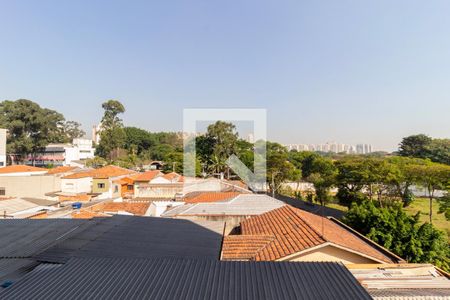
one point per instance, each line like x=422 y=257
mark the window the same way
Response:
x=2 y=191
x=116 y=189
x=2 y=164
x=130 y=187
x=101 y=185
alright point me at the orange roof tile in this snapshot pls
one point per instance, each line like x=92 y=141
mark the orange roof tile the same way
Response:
x=293 y=230
x=124 y=180
x=111 y=171
x=138 y=209
x=104 y=172
x=172 y=176
x=244 y=247
x=81 y=197
x=20 y=169
x=149 y=175
x=62 y=169
x=85 y=214
x=199 y=197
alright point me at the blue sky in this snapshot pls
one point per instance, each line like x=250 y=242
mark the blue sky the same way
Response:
x=346 y=71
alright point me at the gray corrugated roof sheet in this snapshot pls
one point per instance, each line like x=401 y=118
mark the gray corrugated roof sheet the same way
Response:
x=146 y=237
x=22 y=238
x=187 y=279
x=12 y=268
x=241 y=205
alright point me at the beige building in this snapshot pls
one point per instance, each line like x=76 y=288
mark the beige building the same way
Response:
x=29 y=186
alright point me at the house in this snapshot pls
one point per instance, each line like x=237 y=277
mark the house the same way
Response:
x=290 y=234
x=402 y=281
x=101 y=182
x=155 y=184
x=126 y=186
x=27 y=181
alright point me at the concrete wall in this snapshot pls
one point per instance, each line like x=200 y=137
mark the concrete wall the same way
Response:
x=79 y=185
x=145 y=190
x=330 y=253
x=30 y=186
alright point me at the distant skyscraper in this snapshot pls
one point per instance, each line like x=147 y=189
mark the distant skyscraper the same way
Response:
x=332 y=147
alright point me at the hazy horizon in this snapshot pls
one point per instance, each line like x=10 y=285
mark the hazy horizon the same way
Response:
x=349 y=72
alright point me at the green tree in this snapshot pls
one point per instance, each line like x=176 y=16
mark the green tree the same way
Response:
x=223 y=137
x=433 y=177
x=279 y=168
x=112 y=135
x=415 y=146
x=392 y=228
x=30 y=127
x=72 y=130
x=138 y=140
x=322 y=175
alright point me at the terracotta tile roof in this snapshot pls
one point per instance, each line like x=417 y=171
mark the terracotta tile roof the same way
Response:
x=149 y=175
x=174 y=176
x=199 y=197
x=124 y=180
x=111 y=171
x=20 y=169
x=244 y=247
x=295 y=230
x=85 y=214
x=104 y=172
x=63 y=169
x=81 y=197
x=138 y=209
x=79 y=175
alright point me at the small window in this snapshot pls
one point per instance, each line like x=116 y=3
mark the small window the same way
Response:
x=101 y=185
x=2 y=164
x=2 y=192
x=116 y=189
x=130 y=187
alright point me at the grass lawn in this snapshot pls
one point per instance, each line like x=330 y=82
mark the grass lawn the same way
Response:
x=337 y=206
x=423 y=205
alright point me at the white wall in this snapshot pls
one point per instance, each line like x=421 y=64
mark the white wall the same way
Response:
x=79 y=185
x=158 y=207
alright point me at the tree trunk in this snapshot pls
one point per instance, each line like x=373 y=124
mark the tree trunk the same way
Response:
x=431 y=193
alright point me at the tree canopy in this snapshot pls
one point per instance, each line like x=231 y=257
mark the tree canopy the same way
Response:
x=31 y=128
x=392 y=228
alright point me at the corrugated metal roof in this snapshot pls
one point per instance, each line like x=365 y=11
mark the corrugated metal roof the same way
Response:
x=13 y=268
x=402 y=281
x=20 y=238
x=125 y=236
x=241 y=205
x=187 y=279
